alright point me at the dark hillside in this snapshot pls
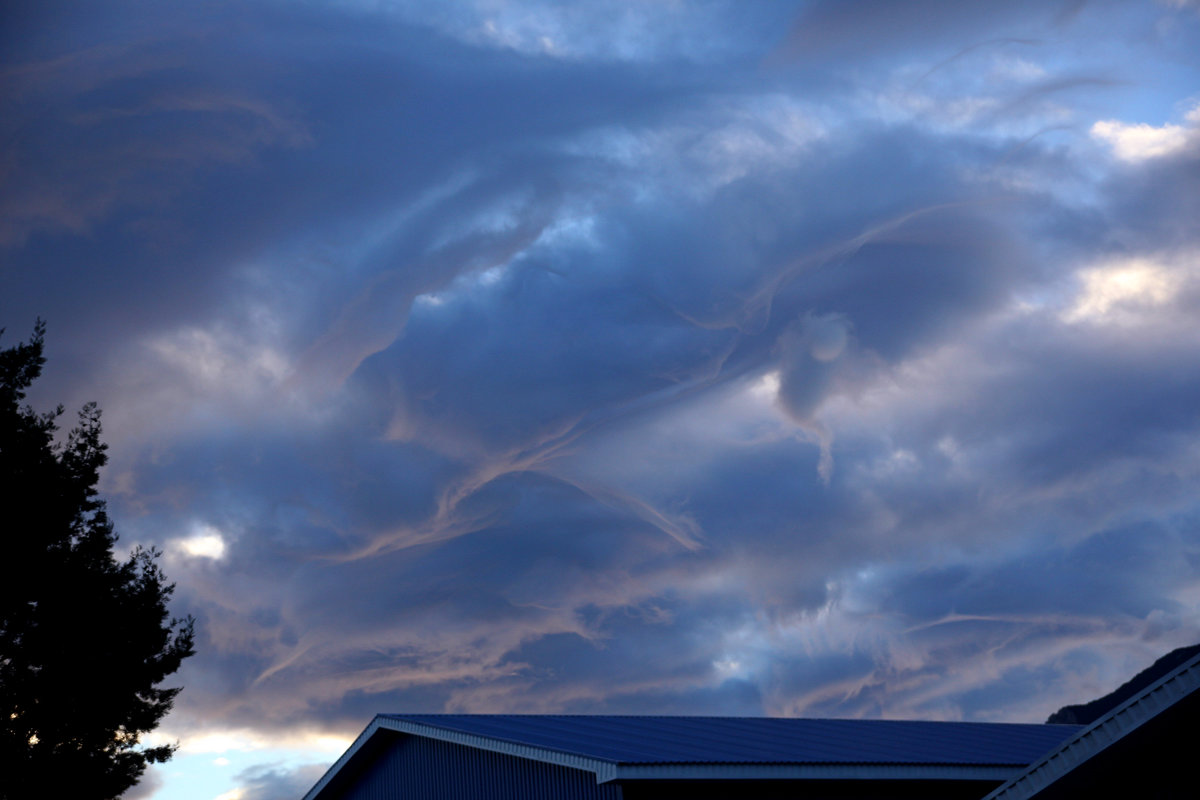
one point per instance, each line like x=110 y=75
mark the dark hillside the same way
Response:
x=1087 y=713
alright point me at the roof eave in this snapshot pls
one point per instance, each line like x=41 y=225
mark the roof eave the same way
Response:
x=1104 y=732
x=812 y=772
x=346 y=758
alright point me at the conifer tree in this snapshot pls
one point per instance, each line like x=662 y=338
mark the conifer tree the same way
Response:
x=86 y=638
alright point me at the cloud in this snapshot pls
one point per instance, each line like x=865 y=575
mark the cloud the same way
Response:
x=809 y=376
x=633 y=32
x=272 y=782
x=207 y=542
x=1129 y=290
x=830 y=31
x=119 y=155
x=643 y=369
x=150 y=783
x=1135 y=142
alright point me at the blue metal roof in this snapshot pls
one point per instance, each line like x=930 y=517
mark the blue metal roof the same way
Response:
x=644 y=740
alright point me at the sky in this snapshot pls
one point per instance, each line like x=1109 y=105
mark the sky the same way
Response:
x=685 y=357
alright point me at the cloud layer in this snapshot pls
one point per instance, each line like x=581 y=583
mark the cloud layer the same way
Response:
x=686 y=359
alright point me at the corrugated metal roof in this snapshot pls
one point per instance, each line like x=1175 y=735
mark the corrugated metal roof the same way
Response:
x=639 y=740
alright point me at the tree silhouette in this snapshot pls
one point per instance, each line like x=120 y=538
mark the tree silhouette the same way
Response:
x=85 y=638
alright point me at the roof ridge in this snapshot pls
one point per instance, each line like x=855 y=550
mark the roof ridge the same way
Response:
x=723 y=717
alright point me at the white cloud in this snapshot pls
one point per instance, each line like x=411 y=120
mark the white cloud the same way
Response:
x=219 y=359
x=206 y=542
x=623 y=31
x=1139 y=141
x=763 y=134
x=1016 y=69
x=732 y=139
x=766 y=387
x=1122 y=291
x=223 y=742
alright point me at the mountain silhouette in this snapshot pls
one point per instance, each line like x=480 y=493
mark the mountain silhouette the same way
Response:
x=1087 y=713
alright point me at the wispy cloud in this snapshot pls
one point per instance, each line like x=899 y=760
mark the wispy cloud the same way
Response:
x=637 y=358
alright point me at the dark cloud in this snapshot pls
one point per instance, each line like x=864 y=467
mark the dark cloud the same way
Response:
x=183 y=156
x=569 y=361
x=875 y=27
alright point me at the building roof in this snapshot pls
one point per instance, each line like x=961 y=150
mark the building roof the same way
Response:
x=757 y=740
x=637 y=748
x=1127 y=722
